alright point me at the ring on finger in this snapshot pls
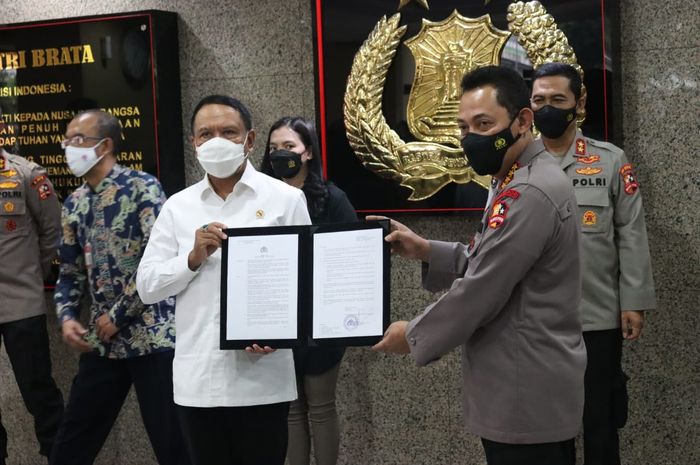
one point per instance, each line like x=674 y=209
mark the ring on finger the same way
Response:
x=205 y=226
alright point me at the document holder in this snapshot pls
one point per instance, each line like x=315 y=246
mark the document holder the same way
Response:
x=325 y=285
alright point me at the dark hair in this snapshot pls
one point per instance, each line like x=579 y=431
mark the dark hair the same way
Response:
x=107 y=126
x=511 y=91
x=564 y=70
x=315 y=188
x=561 y=69
x=229 y=102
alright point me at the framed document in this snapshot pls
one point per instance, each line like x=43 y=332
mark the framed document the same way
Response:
x=305 y=286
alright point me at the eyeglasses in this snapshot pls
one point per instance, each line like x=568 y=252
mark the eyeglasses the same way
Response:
x=77 y=140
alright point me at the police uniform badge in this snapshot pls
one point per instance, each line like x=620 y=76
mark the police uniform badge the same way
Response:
x=500 y=208
x=628 y=178
x=588 y=171
x=580 y=147
x=8 y=184
x=8 y=174
x=38 y=179
x=44 y=191
x=9 y=207
x=589 y=160
x=10 y=225
x=589 y=218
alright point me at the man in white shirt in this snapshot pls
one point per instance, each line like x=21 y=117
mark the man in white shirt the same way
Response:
x=232 y=404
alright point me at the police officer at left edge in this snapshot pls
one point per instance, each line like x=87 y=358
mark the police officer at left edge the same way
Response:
x=30 y=222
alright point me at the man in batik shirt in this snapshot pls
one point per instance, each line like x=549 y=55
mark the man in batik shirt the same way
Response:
x=106 y=225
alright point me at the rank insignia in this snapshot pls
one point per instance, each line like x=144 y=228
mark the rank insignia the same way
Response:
x=38 y=179
x=588 y=171
x=589 y=159
x=580 y=147
x=2 y=162
x=9 y=207
x=10 y=225
x=589 y=218
x=631 y=185
x=8 y=185
x=8 y=173
x=260 y=214
x=511 y=173
x=500 y=208
x=44 y=191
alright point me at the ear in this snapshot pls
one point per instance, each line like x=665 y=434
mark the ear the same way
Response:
x=107 y=146
x=581 y=104
x=525 y=120
x=306 y=155
x=250 y=142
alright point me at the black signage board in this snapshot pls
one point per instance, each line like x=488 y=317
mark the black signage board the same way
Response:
x=126 y=64
x=341 y=27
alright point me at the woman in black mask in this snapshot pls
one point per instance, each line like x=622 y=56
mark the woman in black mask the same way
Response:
x=292 y=155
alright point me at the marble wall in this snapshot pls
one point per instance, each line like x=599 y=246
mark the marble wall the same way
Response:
x=391 y=411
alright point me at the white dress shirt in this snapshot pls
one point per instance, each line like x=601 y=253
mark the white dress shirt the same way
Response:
x=204 y=375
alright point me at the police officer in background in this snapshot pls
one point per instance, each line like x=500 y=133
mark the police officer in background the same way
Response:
x=30 y=222
x=617 y=284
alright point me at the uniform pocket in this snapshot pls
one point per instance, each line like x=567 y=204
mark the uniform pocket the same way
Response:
x=594 y=209
x=13 y=217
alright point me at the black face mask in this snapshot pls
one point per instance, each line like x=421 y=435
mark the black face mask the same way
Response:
x=552 y=122
x=285 y=163
x=486 y=153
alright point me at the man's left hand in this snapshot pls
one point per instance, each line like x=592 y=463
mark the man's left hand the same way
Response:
x=105 y=328
x=394 y=340
x=632 y=322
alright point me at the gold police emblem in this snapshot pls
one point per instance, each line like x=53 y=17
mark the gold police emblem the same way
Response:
x=9 y=207
x=443 y=51
x=500 y=143
x=589 y=218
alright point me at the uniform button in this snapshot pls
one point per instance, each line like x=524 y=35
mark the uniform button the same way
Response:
x=412 y=340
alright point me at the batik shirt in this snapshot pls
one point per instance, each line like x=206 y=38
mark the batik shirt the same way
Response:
x=105 y=231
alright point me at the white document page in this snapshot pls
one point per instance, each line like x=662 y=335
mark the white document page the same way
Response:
x=262 y=287
x=348 y=284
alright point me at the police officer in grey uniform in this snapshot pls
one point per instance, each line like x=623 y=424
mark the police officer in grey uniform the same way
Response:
x=30 y=222
x=616 y=267
x=513 y=291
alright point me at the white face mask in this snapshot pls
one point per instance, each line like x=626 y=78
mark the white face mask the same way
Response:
x=220 y=157
x=81 y=159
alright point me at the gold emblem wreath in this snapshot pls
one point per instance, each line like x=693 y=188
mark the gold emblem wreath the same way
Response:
x=426 y=167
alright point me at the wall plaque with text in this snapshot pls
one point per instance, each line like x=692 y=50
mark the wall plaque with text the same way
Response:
x=126 y=64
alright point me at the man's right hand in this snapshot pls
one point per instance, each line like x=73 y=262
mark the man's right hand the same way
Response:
x=404 y=242
x=206 y=240
x=73 y=333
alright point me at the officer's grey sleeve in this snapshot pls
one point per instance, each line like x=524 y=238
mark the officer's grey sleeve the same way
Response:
x=636 y=281
x=46 y=211
x=447 y=262
x=491 y=276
